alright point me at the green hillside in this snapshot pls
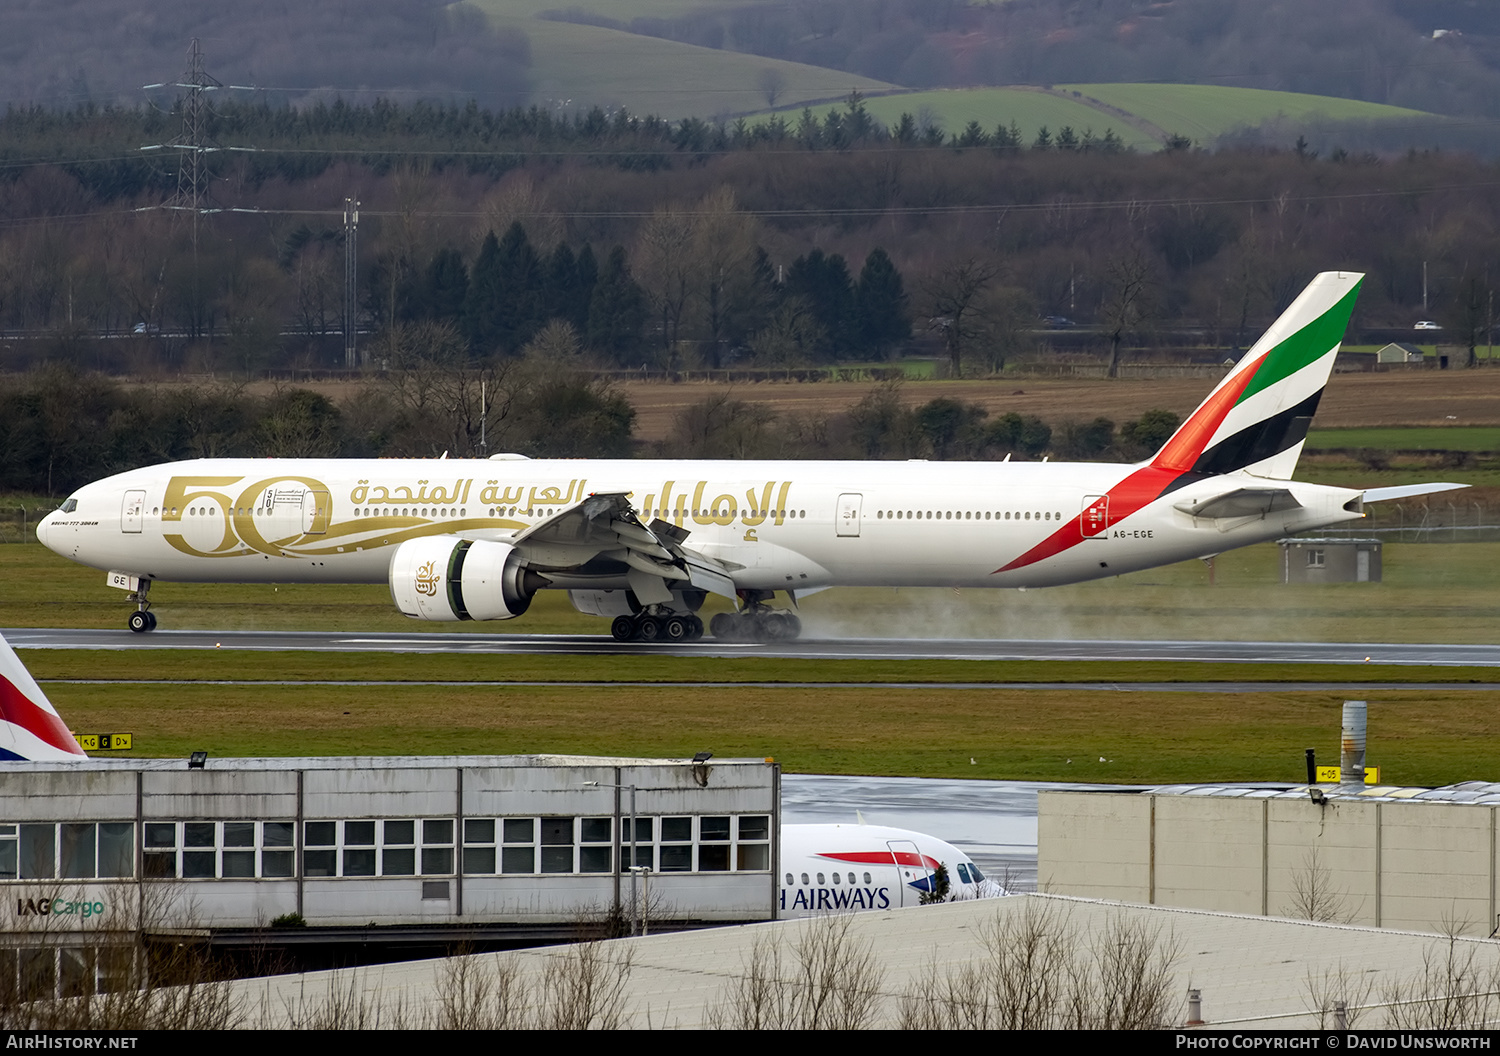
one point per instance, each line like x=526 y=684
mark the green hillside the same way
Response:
x=575 y=66
x=1029 y=108
x=1143 y=115
x=1203 y=111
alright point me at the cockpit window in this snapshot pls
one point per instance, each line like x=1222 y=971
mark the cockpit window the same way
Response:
x=963 y=873
x=975 y=873
x=70 y=505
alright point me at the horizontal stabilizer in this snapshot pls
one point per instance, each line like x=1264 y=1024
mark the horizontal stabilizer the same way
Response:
x=1242 y=502
x=1406 y=491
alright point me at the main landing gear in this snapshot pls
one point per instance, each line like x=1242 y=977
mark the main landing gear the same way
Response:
x=647 y=627
x=757 y=621
x=756 y=625
x=142 y=619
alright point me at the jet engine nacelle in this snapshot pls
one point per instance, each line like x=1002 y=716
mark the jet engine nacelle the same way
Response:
x=446 y=578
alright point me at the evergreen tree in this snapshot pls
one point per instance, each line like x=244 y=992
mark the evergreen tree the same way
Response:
x=881 y=305
x=446 y=286
x=588 y=277
x=518 y=309
x=824 y=283
x=482 y=305
x=617 y=312
x=561 y=289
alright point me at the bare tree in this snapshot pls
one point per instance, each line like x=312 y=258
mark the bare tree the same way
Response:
x=955 y=304
x=1458 y=989
x=1344 y=986
x=665 y=270
x=771 y=82
x=1127 y=283
x=1037 y=974
x=1314 y=896
x=833 y=984
x=723 y=250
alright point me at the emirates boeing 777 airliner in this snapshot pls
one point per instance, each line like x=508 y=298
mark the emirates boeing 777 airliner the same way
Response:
x=645 y=541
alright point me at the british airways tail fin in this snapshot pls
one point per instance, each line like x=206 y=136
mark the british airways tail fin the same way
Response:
x=1256 y=419
x=29 y=726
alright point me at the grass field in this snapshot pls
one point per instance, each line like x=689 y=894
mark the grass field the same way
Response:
x=1029 y=108
x=577 y=66
x=1455 y=438
x=1203 y=111
x=1081 y=735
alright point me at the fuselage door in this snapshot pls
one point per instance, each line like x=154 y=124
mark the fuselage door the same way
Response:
x=1094 y=523
x=847 y=522
x=910 y=869
x=315 y=509
x=132 y=512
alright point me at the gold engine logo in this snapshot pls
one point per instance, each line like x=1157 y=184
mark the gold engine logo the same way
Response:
x=427 y=580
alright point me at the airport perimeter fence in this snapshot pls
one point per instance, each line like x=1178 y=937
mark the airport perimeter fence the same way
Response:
x=18 y=523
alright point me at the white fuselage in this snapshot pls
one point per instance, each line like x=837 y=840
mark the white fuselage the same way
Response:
x=844 y=868
x=780 y=525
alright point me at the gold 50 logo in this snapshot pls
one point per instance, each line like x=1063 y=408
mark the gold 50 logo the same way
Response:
x=427 y=580
x=266 y=516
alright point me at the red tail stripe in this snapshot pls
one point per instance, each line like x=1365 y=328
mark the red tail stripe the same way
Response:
x=1141 y=488
x=1182 y=450
x=17 y=708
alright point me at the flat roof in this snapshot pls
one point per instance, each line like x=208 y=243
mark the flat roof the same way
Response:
x=1252 y=971
x=1480 y=793
x=361 y=762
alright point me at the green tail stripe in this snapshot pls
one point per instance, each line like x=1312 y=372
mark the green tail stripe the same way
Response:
x=1306 y=346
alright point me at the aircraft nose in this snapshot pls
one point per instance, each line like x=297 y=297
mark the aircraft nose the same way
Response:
x=43 y=527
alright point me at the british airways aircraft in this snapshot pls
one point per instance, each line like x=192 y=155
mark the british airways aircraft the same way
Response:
x=644 y=542
x=30 y=727
x=842 y=868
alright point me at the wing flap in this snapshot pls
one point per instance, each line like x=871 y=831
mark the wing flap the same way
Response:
x=606 y=525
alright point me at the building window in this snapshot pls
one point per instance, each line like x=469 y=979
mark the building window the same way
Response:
x=398 y=848
x=753 y=842
x=1315 y=559
x=594 y=837
x=557 y=845
x=69 y=851
x=479 y=846
x=437 y=846
x=518 y=855
x=676 y=845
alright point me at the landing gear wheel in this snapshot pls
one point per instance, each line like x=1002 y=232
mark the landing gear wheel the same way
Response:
x=695 y=628
x=793 y=624
x=140 y=621
x=150 y=621
x=674 y=628
x=723 y=625
x=648 y=629
x=623 y=629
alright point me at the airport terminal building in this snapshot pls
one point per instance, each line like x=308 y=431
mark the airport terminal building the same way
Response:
x=400 y=854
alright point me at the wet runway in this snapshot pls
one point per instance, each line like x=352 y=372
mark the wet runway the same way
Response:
x=994 y=822
x=808 y=649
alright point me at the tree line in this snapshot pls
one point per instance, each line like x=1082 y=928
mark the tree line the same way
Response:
x=774 y=255
x=61 y=428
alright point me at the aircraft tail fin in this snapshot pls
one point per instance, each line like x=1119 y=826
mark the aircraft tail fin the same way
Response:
x=30 y=727
x=1256 y=419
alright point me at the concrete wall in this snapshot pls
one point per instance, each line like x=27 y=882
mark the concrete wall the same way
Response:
x=1427 y=866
